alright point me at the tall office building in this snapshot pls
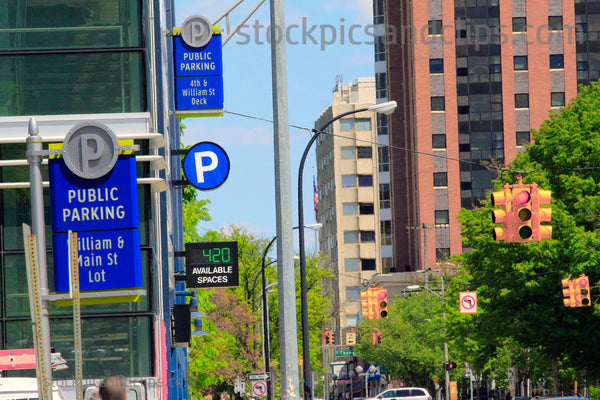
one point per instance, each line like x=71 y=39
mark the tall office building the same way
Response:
x=348 y=185
x=472 y=78
x=71 y=61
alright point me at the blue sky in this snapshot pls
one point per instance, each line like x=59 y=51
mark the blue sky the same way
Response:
x=248 y=195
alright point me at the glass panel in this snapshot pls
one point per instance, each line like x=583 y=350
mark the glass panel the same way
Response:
x=441 y=217
x=557 y=99
x=438 y=103
x=365 y=180
x=523 y=138
x=352 y=264
x=367 y=236
x=347 y=153
x=363 y=124
x=438 y=141
x=364 y=152
x=440 y=179
x=366 y=208
x=15 y=280
x=347 y=125
x=59 y=24
x=348 y=180
x=350 y=208
x=436 y=65
x=41 y=84
x=111 y=346
x=368 y=264
x=520 y=63
x=557 y=61
x=351 y=237
x=352 y=293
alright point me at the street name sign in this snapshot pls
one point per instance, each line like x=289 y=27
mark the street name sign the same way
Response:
x=345 y=353
x=258 y=376
x=213 y=264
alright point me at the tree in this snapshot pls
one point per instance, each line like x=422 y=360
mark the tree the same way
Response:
x=519 y=284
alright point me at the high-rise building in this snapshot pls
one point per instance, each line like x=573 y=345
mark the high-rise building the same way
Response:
x=472 y=78
x=65 y=62
x=348 y=185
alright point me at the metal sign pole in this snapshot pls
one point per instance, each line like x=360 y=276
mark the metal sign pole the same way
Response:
x=34 y=158
x=74 y=273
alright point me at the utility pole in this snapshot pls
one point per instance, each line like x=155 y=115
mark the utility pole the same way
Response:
x=288 y=327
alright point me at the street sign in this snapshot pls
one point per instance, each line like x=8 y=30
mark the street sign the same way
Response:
x=109 y=259
x=196 y=31
x=206 y=165
x=194 y=92
x=90 y=150
x=258 y=376
x=468 y=302
x=345 y=353
x=212 y=264
x=80 y=204
x=259 y=389
x=203 y=61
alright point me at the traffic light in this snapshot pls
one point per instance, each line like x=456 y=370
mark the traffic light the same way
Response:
x=522 y=207
x=326 y=337
x=502 y=216
x=568 y=293
x=181 y=325
x=541 y=214
x=449 y=365
x=366 y=310
x=376 y=337
x=382 y=304
x=332 y=337
x=581 y=288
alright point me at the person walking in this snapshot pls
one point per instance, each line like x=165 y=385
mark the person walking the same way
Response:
x=113 y=388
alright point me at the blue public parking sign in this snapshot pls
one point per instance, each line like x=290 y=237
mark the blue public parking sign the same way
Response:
x=206 y=165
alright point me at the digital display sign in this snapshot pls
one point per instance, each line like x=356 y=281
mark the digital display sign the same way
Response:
x=212 y=264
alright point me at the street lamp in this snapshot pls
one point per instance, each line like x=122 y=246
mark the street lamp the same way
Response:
x=447 y=374
x=387 y=108
x=265 y=313
x=370 y=370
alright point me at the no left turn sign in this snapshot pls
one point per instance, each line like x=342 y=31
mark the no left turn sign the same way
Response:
x=259 y=389
x=468 y=302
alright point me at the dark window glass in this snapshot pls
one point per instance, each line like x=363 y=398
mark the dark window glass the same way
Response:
x=463 y=109
x=435 y=27
x=438 y=103
x=519 y=24
x=61 y=24
x=557 y=61
x=442 y=254
x=367 y=236
x=367 y=264
x=365 y=180
x=438 y=141
x=523 y=138
x=558 y=99
x=441 y=217
x=520 y=63
x=364 y=152
x=555 y=23
x=366 y=208
x=440 y=179
x=522 y=100
x=436 y=65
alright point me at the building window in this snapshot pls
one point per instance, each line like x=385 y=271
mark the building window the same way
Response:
x=520 y=63
x=438 y=141
x=555 y=23
x=557 y=99
x=347 y=153
x=350 y=208
x=352 y=293
x=364 y=152
x=363 y=124
x=440 y=179
x=365 y=180
x=384 y=196
x=367 y=264
x=442 y=254
x=436 y=66
x=366 y=208
x=347 y=125
x=367 y=236
x=352 y=264
x=557 y=61
x=438 y=103
x=386 y=232
x=435 y=27
x=441 y=217
x=350 y=236
x=523 y=138
x=519 y=24
x=522 y=100
x=348 y=180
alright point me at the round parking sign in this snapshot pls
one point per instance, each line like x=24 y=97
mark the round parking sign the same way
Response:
x=206 y=165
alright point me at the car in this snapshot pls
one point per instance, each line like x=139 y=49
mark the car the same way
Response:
x=565 y=396
x=406 y=393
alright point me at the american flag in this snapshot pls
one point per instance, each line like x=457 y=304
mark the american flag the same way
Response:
x=316 y=199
